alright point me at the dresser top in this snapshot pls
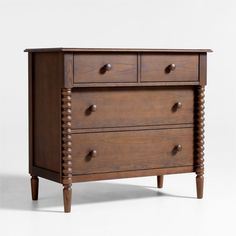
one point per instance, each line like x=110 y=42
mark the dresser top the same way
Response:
x=115 y=50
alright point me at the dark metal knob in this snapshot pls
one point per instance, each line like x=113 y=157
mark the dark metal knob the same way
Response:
x=170 y=68
x=105 y=68
x=108 y=67
x=177 y=148
x=177 y=106
x=93 y=108
x=93 y=153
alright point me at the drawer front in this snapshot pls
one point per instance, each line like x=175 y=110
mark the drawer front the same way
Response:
x=131 y=150
x=105 y=68
x=119 y=107
x=169 y=67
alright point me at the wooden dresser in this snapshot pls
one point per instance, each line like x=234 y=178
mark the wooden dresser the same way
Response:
x=98 y=114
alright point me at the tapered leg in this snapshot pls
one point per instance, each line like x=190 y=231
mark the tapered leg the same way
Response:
x=34 y=187
x=200 y=184
x=67 y=192
x=160 y=179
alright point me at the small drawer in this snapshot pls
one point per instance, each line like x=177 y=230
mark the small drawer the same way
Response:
x=171 y=67
x=132 y=150
x=105 y=68
x=120 y=107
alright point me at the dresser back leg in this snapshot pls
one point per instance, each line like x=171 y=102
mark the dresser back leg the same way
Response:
x=160 y=179
x=34 y=187
x=67 y=192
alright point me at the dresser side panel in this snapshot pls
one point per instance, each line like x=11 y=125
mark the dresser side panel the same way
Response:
x=46 y=107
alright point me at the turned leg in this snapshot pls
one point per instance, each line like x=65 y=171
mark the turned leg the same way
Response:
x=67 y=191
x=34 y=187
x=199 y=134
x=160 y=181
x=200 y=184
x=66 y=148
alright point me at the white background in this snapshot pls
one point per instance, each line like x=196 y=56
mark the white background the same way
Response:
x=129 y=206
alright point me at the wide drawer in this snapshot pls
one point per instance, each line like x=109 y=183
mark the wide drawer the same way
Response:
x=169 y=67
x=105 y=68
x=131 y=150
x=120 y=107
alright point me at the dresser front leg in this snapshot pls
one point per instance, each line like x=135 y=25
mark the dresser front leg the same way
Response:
x=199 y=141
x=34 y=187
x=160 y=179
x=67 y=192
x=200 y=184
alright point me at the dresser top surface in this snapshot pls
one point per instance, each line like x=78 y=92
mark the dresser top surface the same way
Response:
x=116 y=50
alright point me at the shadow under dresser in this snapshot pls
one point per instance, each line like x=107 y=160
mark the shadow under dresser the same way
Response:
x=98 y=114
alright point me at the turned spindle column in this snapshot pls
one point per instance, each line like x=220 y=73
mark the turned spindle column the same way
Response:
x=199 y=140
x=66 y=149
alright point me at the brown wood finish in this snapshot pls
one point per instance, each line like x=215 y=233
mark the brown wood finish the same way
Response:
x=46 y=111
x=67 y=196
x=66 y=148
x=139 y=84
x=34 y=187
x=98 y=114
x=153 y=50
x=132 y=128
x=30 y=109
x=160 y=179
x=129 y=107
x=106 y=68
x=133 y=173
x=47 y=174
x=125 y=150
x=68 y=68
x=203 y=69
x=199 y=140
x=173 y=67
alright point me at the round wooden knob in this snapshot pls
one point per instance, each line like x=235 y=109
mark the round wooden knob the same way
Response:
x=108 y=67
x=170 y=68
x=93 y=108
x=176 y=106
x=178 y=148
x=93 y=153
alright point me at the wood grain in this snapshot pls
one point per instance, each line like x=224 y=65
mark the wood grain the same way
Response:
x=131 y=107
x=133 y=173
x=88 y=68
x=130 y=150
x=127 y=112
x=46 y=107
x=155 y=67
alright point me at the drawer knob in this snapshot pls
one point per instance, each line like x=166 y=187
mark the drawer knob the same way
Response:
x=170 y=68
x=108 y=67
x=177 y=148
x=177 y=106
x=93 y=153
x=93 y=108
x=105 y=68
